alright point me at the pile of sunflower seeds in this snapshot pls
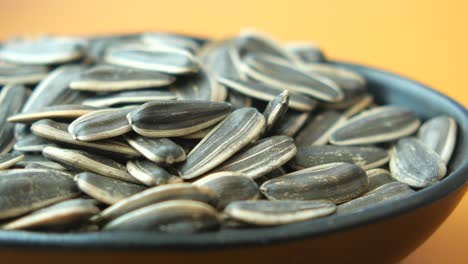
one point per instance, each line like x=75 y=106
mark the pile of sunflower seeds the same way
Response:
x=174 y=133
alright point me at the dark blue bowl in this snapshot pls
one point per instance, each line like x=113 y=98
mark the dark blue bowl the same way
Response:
x=383 y=233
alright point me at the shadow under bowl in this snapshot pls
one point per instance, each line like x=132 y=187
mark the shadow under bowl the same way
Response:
x=383 y=233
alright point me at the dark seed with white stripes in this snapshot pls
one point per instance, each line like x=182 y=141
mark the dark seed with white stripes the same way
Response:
x=377 y=178
x=128 y=98
x=291 y=123
x=101 y=124
x=318 y=130
x=415 y=164
x=40 y=161
x=158 y=194
x=58 y=132
x=159 y=150
x=236 y=131
x=338 y=182
x=150 y=173
x=276 y=109
x=440 y=135
x=61 y=216
x=9 y=160
x=386 y=192
x=52 y=112
x=12 y=98
x=89 y=162
x=182 y=216
x=105 y=189
x=21 y=74
x=270 y=213
x=176 y=118
x=43 y=187
x=261 y=158
x=229 y=186
x=365 y=157
x=200 y=86
x=381 y=124
x=307 y=52
x=108 y=78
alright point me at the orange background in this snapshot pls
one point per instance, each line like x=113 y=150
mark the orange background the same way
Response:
x=424 y=39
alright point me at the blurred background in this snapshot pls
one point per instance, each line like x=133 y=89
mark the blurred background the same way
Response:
x=426 y=40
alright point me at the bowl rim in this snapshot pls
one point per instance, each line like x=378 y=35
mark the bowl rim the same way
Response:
x=261 y=236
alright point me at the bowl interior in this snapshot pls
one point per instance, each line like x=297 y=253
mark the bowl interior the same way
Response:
x=387 y=88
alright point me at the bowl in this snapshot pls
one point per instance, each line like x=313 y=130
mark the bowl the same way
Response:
x=383 y=233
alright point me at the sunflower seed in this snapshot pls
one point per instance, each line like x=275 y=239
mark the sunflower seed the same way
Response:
x=291 y=123
x=308 y=52
x=229 y=186
x=236 y=131
x=40 y=162
x=166 y=40
x=12 y=98
x=101 y=124
x=45 y=50
x=167 y=60
x=159 y=150
x=53 y=90
x=360 y=104
x=183 y=216
x=151 y=173
x=377 y=178
x=264 y=92
x=108 y=78
x=318 y=130
x=195 y=87
x=89 y=162
x=61 y=216
x=43 y=187
x=52 y=112
x=276 y=109
x=217 y=60
x=365 y=157
x=176 y=118
x=58 y=132
x=47 y=166
x=381 y=124
x=268 y=213
x=338 y=182
x=199 y=134
x=386 y=192
x=239 y=100
x=126 y=98
x=440 y=135
x=158 y=194
x=98 y=45
x=104 y=189
x=261 y=158
x=21 y=74
x=415 y=164
x=288 y=77
x=9 y=160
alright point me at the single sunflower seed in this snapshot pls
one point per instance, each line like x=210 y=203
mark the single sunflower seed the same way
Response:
x=9 y=160
x=440 y=135
x=276 y=109
x=291 y=123
x=61 y=112
x=308 y=52
x=150 y=173
x=377 y=178
x=39 y=161
x=317 y=130
x=167 y=40
x=12 y=98
x=200 y=86
x=159 y=150
x=129 y=97
x=21 y=74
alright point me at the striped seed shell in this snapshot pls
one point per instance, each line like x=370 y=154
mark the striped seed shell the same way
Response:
x=231 y=135
x=440 y=135
x=66 y=214
x=291 y=123
x=89 y=162
x=317 y=131
x=386 y=192
x=270 y=213
x=150 y=173
x=365 y=157
x=338 y=182
x=21 y=74
x=308 y=52
x=276 y=109
x=108 y=78
x=262 y=157
x=200 y=86
x=380 y=124
x=158 y=194
x=360 y=104
x=167 y=40
x=129 y=97
x=43 y=187
x=182 y=216
x=159 y=150
x=176 y=118
x=199 y=134
x=70 y=111
x=105 y=189
x=39 y=161
x=415 y=164
x=229 y=186
x=101 y=124
x=12 y=98
x=9 y=160
x=58 y=132
x=377 y=178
